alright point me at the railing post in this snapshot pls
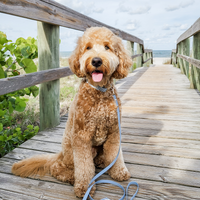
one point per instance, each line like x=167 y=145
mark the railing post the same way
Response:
x=130 y=48
x=186 y=52
x=152 y=57
x=139 y=59
x=180 y=60
x=144 y=59
x=196 y=55
x=48 y=58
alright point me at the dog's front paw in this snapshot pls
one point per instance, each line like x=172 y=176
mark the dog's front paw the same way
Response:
x=119 y=173
x=80 y=189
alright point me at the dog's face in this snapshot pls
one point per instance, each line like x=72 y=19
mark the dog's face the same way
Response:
x=100 y=56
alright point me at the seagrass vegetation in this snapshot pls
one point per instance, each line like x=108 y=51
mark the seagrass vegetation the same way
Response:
x=16 y=58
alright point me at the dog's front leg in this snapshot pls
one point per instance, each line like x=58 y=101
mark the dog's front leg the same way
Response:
x=119 y=171
x=83 y=163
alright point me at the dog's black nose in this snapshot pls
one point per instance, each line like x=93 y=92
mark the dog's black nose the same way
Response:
x=96 y=62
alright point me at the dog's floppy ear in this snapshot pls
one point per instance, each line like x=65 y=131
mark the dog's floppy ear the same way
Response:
x=74 y=63
x=125 y=61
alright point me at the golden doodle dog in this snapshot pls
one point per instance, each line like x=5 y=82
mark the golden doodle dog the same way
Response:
x=91 y=136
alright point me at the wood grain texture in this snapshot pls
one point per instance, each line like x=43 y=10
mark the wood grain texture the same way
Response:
x=195 y=28
x=196 y=55
x=148 y=50
x=57 y=14
x=48 y=58
x=139 y=59
x=23 y=81
x=160 y=142
x=192 y=61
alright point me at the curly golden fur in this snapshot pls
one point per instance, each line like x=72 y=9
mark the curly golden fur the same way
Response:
x=91 y=136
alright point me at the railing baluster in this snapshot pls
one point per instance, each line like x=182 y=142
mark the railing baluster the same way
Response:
x=139 y=59
x=196 y=55
x=186 y=51
x=48 y=56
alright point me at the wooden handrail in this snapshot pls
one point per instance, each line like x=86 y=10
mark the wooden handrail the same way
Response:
x=195 y=28
x=23 y=81
x=136 y=55
x=54 y=13
x=192 y=61
x=147 y=60
x=181 y=55
x=50 y=15
x=148 y=50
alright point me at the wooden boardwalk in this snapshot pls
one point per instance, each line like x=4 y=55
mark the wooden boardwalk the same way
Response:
x=161 y=143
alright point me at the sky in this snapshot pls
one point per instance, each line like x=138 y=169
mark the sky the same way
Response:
x=158 y=23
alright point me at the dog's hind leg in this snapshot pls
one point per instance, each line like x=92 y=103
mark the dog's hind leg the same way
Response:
x=63 y=168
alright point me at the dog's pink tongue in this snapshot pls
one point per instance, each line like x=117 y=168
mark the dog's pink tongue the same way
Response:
x=97 y=77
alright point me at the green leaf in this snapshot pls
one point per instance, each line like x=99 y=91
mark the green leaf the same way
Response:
x=1 y=127
x=28 y=91
x=2 y=113
x=30 y=127
x=18 y=129
x=2 y=74
x=3 y=40
x=36 y=129
x=26 y=51
x=10 y=107
x=20 y=105
x=29 y=65
x=34 y=90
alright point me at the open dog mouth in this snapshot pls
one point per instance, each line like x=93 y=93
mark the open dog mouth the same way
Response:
x=97 y=75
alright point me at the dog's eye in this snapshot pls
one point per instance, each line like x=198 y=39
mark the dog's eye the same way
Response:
x=88 y=48
x=107 y=47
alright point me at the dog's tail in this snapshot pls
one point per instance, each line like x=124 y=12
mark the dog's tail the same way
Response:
x=36 y=165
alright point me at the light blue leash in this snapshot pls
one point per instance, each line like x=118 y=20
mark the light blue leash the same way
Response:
x=87 y=194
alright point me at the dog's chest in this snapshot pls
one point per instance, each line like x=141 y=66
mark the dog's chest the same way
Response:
x=105 y=118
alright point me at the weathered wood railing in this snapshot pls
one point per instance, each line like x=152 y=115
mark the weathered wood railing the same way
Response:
x=50 y=15
x=189 y=61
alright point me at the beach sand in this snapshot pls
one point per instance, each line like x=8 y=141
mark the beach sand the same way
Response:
x=160 y=61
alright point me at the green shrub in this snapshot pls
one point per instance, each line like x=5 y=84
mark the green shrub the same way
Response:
x=15 y=59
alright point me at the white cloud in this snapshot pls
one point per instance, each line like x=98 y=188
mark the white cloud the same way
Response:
x=182 y=4
x=183 y=27
x=132 y=25
x=187 y=3
x=86 y=8
x=166 y=27
x=176 y=26
x=172 y=8
x=141 y=10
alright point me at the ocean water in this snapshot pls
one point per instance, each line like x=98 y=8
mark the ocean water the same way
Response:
x=65 y=53
x=156 y=53
x=162 y=53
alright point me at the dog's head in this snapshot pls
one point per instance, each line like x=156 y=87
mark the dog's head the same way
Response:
x=100 y=56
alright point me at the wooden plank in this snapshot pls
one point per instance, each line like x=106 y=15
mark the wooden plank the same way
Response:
x=22 y=81
x=192 y=61
x=148 y=50
x=195 y=28
x=57 y=14
x=153 y=144
x=196 y=55
x=147 y=60
x=129 y=157
x=48 y=58
x=186 y=51
x=148 y=189
x=139 y=59
x=137 y=55
x=172 y=176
